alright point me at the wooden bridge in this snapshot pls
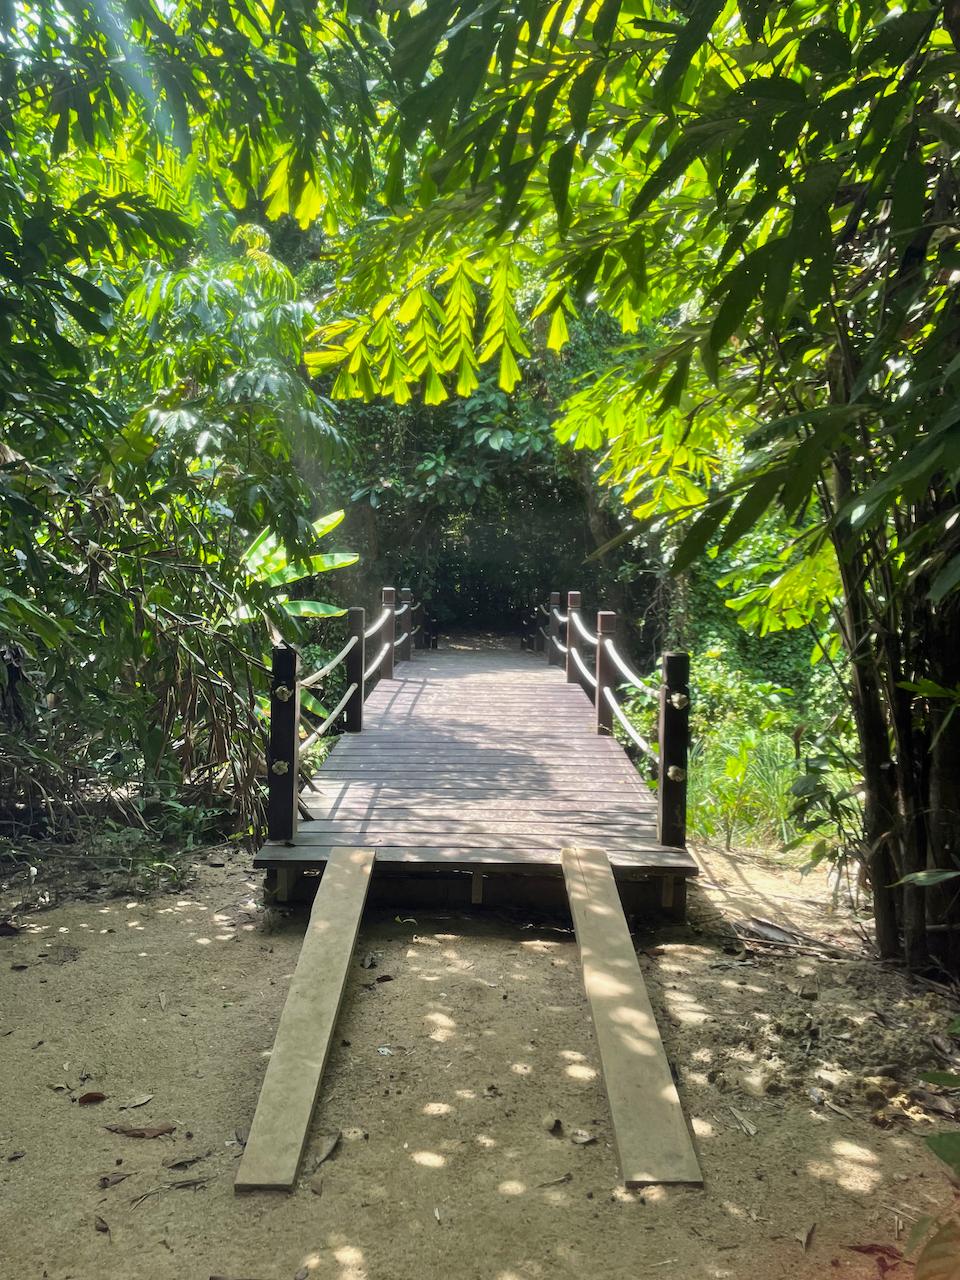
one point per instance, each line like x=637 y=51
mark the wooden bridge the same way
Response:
x=493 y=775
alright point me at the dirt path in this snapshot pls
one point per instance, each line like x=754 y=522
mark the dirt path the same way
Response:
x=440 y=1085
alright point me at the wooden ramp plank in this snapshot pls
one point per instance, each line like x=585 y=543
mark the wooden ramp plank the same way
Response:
x=289 y=1092
x=653 y=1141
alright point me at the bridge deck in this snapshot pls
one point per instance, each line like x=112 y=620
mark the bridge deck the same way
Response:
x=483 y=760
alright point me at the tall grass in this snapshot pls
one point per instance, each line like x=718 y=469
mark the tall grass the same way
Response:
x=739 y=788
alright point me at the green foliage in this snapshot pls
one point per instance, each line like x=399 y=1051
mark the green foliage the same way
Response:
x=743 y=755
x=135 y=609
x=939 y=1258
x=765 y=199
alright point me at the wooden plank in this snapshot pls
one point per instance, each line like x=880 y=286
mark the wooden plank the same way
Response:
x=652 y=1138
x=272 y=1155
x=506 y=829
x=443 y=840
x=654 y=860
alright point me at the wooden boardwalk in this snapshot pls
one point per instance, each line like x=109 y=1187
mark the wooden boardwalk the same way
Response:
x=483 y=760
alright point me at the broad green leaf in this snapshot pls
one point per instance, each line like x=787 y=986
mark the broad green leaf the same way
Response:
x=940 y=1257
x=925 y=879
x=307 y=568
x=312 y=609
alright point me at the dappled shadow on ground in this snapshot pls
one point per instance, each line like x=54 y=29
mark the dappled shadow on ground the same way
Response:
x=475 y=1134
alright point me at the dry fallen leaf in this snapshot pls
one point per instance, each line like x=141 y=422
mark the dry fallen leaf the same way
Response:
x=132 y=1131
x=436 y=1213
x=111 y=1179
x=140 y=1101
x=316 y=1184
x=184 y=1162
x=806 y=1237
x=748 y=1127
x=242 y=1134
x=162 y=997
x=582 y=1138
x=326 y=1146
x=88 y=1099
x=557 y=1182
x=15 y=1155
x=100 y=1225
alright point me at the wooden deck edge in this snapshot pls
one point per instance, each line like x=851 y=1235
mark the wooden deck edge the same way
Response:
x=653 y=1141
x=304 y=857
x=290 y=1087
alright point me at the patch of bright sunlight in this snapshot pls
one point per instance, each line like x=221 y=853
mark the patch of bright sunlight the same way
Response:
x=429 y=1159
x=850 y=1168
x=437 y=1109
x=443 y=1026
x=683 y=1006
x=512 y=1187
x=580 y=1071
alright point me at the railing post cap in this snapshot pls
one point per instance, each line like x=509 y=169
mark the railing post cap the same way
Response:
x=406 y=593
x=606 y=622
x=573 y=599
x=554 y=597
x=389 y=595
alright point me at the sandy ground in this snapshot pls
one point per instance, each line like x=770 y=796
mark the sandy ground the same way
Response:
x=440 y=1084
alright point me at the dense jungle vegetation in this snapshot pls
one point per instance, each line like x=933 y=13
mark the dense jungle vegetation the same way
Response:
x=653 y=300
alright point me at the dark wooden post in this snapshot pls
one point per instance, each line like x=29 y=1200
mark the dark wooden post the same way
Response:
x=406 y=625
x=283 y=756
x=573 y=638
x=674 y=744
x=605 y=670
x=388 y=633
x=354 y=664
x=553 y=653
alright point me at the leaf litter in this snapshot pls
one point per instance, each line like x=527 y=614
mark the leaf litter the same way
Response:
x=144 y=1131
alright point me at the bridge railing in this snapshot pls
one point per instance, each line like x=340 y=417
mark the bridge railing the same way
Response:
x=592 y=660
x=369 y=656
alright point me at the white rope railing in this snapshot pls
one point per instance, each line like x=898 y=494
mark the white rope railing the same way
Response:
x=403 y=609
x=561 y=647
x=628 y=728
x=584 y=671
x=375 y=627
x=334 y=662
x=587 y=636
x=560 y=617
x=400 y=639
x=376 y=662
x=322 y=728
x=627 y=671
